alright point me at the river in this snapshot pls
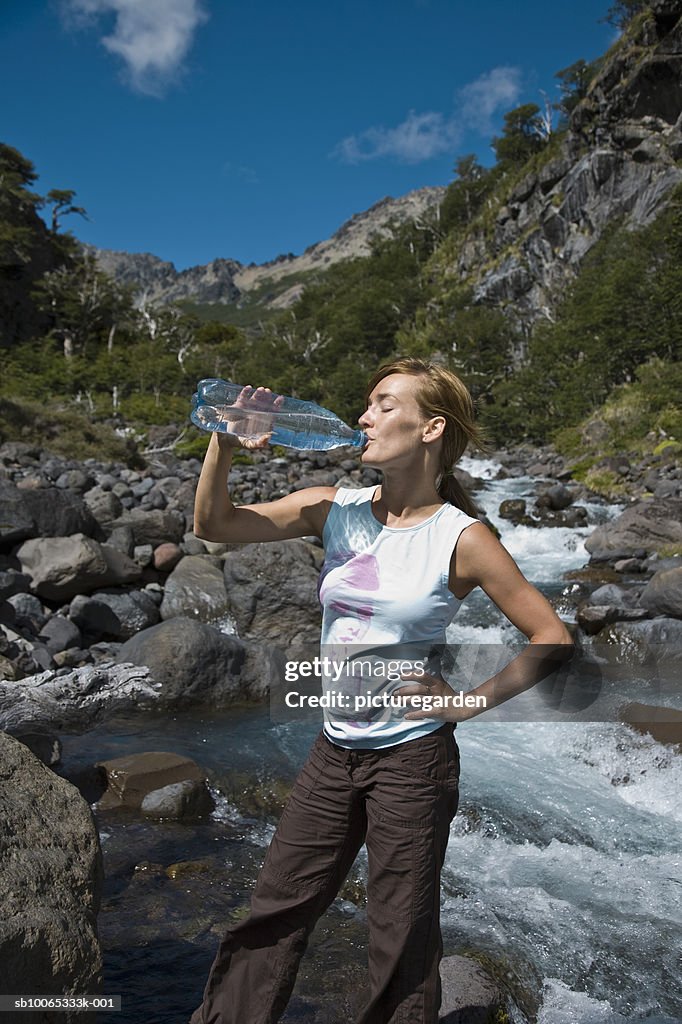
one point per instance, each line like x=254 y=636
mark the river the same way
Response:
x=563 y=868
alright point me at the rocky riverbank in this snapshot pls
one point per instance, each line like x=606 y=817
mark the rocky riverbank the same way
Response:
x=100 y=569
x=109 y=603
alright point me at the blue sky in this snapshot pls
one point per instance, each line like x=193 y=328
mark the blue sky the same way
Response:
x=194 y=129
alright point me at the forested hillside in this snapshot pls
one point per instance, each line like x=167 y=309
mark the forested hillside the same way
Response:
x=551 y=282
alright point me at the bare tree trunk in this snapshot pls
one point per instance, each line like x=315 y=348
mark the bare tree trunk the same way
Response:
x=110 y=339
x=68 y=345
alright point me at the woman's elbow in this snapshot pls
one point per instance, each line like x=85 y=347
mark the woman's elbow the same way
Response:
x=204 y=529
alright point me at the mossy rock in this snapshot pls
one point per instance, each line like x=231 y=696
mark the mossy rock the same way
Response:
x=605 y=482
x=668 y=445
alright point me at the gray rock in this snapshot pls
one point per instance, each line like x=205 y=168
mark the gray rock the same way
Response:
x=143 y=554
x=135 y=610
x=195 y=664
x=272 y=591
x=194 y=588
x=74 y=480
x=58 y=513
x=559 y=497
x=154 y=526
x=663 y=593
x=191 y=545
x=654 y=642
x=104 y=505
x=76 y=700
x=50 y=884
x=29 y=612
x=59 y=633
x=470 y=996
x=94 y=617
x=62 y=567
x=648 y=525
x=592 y=618
x=12 y=582
x=16 y=521
x=120 y=568
x=180 y=800
x=613 y=594
x=121 y=538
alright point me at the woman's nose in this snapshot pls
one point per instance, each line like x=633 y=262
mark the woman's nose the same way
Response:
x=364 y=420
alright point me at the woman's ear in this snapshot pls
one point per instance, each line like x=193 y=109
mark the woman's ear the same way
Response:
x=433 y=429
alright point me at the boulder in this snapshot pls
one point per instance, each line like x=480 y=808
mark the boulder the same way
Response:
x=592 y=618
x=74 y=480
x=133 y=610
x=556 y=498
x=195 y=664
x=50 y=884
x=16 y=521
x=470 y=996
x=664 y=724
x=513 y=509
x=194 y=588
x=58 y=513
x=105 y=506
x=130 y=778
x=94 y=617
x=76 y=700
x=613 y=594
x=663 y=593
x=272 y=591
x=121 y=538
x=646 y=526
x=120 y=568
x=153 y=526
x=654 y=642
x=62 y=567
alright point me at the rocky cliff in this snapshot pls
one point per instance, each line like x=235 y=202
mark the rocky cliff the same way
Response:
x=618 y=163
x=226 y=280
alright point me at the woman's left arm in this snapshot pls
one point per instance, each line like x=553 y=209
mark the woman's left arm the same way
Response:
x=480 y=560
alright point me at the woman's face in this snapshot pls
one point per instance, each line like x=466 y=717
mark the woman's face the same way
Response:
x=394 y=423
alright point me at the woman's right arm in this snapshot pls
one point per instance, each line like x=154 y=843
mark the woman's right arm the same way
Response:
x=299 y=514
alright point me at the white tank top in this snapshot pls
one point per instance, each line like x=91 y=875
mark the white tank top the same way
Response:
x=385 y=599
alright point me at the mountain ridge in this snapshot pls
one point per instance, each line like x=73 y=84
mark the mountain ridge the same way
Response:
x=226 y=281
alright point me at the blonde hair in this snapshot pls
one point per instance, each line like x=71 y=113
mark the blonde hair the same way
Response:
x=442 y=393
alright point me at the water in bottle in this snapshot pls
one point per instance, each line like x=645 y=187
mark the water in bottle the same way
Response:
x=220 y=405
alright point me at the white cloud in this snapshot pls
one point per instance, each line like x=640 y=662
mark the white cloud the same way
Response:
x=481 y=99
x=419 y=137
x=423 y=136
x=152 y=37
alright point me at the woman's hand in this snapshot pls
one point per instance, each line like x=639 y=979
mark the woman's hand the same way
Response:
x=249 y=419
x=439 y=702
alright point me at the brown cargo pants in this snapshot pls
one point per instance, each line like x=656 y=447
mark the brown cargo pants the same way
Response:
x=400 y=801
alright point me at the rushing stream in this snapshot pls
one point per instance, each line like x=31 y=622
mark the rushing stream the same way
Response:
x=564 y=863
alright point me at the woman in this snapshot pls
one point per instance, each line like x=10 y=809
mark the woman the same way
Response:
x=399 y=558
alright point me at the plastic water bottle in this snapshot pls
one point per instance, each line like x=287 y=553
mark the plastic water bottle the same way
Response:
x=291 y=422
